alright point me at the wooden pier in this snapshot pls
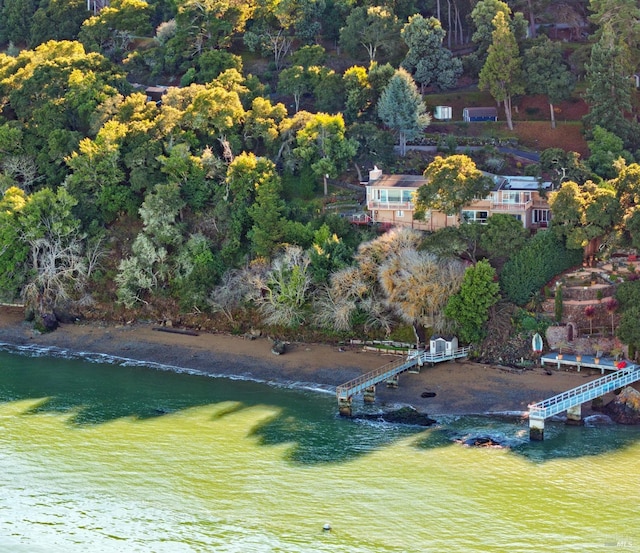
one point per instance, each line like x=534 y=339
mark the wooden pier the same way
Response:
x=366 y=383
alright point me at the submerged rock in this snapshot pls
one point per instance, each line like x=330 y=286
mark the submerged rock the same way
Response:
x=625 y=407
x=597 y=420
x=404 y=415
x=479 y=441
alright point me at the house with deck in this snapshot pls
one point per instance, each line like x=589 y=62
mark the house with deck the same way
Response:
x=390 y=201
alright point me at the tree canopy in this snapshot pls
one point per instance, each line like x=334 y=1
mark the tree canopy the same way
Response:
x=370 y=29
x=501 y=74
x=546 y=73
x=427 y=59
x=452 y=183
x=401 y=108
x=469 y=307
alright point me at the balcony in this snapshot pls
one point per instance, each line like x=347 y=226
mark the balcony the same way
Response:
x=396 y=206
x=511 y=207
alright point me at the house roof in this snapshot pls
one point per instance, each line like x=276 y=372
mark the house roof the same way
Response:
x=399 y=181
x=508 y=182
x=501 y=182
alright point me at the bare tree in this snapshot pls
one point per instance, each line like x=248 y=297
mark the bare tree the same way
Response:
x=333 y=310
x=229 y=294
x=59 y=269
x=417 y=285
x=282 y=292
x=22 y=169
x=358 y=286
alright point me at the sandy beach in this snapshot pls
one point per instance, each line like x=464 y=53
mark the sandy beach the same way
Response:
x=460 y=387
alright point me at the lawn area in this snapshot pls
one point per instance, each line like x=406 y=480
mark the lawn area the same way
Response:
x=539 y=135
x=532 y=125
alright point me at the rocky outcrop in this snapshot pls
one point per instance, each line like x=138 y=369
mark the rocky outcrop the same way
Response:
x=479 y=441
x=278 y=347
x=46 y=322
x=625 y=408
x=404 y=415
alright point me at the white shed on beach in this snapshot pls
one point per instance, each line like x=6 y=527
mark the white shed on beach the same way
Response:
x=446 y=345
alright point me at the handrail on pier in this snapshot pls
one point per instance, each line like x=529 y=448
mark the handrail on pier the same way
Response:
x=346 y=390
x=591 y=390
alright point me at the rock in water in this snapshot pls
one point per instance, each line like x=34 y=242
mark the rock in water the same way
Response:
x=625 y=407
x=404 y=415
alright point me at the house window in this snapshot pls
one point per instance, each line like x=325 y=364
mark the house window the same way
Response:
x=407 y=195
x=515 y=197
x=399 y=214
x=541 y=215
x=394 y=195
x=475 y=216
x=381 y=195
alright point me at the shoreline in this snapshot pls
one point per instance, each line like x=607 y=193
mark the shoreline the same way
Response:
x=461 y=388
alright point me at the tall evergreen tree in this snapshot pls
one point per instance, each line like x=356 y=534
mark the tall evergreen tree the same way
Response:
x=429 y=61
x=15 y=20
x=546 y=73
x=401 y=108
x=609 y=87
x=501 y=75
x=267 y=213
x=623 y=16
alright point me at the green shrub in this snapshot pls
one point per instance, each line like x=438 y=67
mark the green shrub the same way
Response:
x=542 y=257
x=404 y=334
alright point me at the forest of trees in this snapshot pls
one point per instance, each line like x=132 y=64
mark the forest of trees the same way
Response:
x=212 y=201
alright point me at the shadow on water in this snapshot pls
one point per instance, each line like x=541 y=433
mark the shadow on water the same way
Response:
x=561 y=441
x=98 y=392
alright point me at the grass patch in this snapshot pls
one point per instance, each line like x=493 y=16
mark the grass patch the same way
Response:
x=539 y=135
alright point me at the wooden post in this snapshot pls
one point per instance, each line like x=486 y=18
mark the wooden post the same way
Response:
x=392 y=382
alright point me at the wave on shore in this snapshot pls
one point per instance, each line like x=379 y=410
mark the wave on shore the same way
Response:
x=33 y=350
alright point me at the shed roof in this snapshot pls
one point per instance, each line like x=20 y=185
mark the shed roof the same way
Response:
x=482 y=112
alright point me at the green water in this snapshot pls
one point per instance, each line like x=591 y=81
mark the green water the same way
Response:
x=106 y=458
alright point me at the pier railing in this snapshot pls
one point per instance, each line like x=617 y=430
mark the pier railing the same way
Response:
x=364 y=381
x=581 y=394
x=428 y=357
x=372 y=378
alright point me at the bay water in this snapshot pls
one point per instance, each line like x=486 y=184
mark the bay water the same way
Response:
x=100 y=455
